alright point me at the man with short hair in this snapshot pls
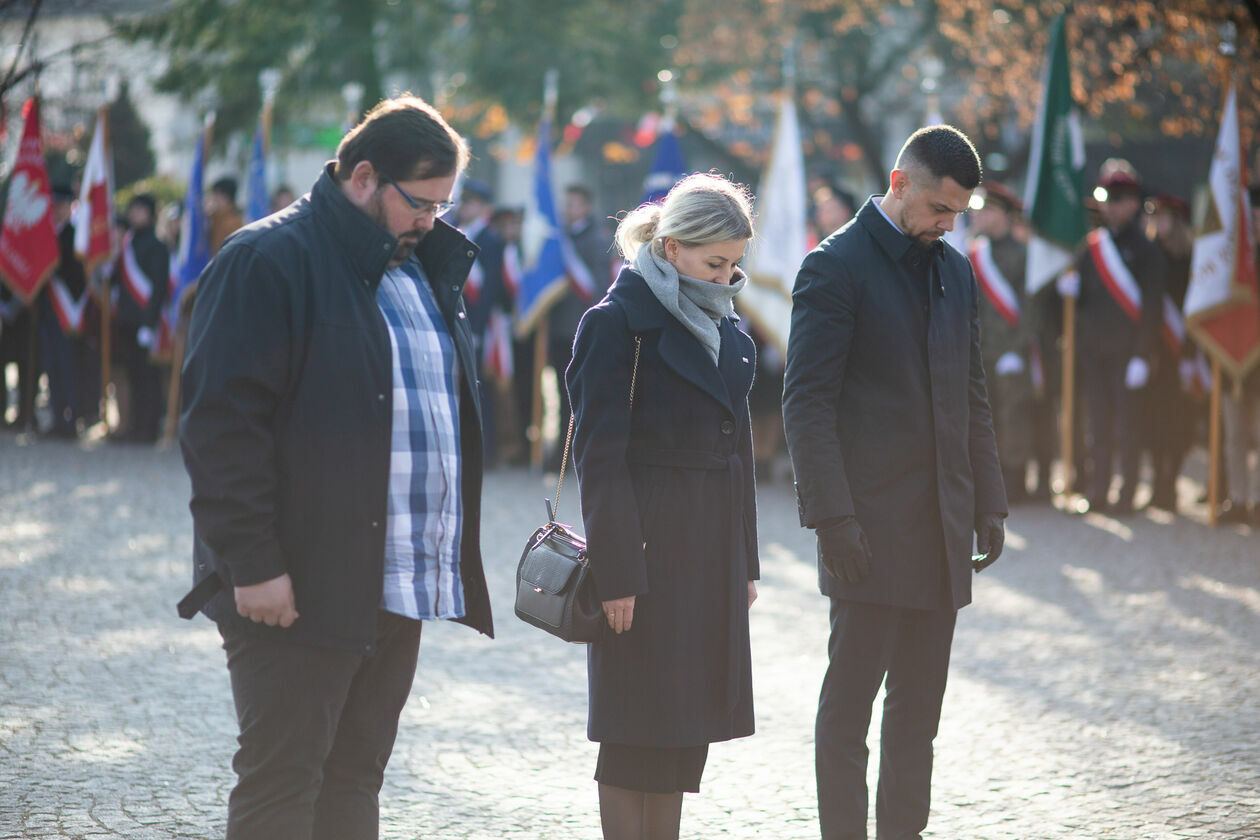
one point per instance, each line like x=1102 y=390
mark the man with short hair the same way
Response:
x=1006 y=333
x=142 y=276
x=225 y=217
x=590 y=277
x=61 y=307
x=891 y=436
x=484 y=295
x=1119 y=278
x=331 y=429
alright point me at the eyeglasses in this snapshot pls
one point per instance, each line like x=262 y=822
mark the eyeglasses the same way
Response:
x=421 y=207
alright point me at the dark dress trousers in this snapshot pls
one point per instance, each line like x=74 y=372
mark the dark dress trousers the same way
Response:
x=670 y=514
x=887 y=419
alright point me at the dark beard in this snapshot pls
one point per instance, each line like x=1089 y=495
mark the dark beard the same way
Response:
x=407 y=243
x=406 y=247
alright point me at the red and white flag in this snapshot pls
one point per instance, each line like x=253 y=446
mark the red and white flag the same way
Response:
x=93 y=216
x=28 y=240
x=1222 y=312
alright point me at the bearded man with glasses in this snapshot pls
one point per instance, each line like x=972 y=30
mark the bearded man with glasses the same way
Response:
x=331 y=429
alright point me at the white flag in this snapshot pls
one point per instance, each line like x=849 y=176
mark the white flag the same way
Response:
x=1220 y=306
x=779 y=244
x=93 y=216
x=781 y=239
x=1212 y=266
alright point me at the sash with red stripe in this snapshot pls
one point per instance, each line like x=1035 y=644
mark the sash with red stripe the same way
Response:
x=476 y=280
x=476 y=275
x=1115 y=275
x=997 y=289
x=68 y=310
x=497 y=358
x=1173 y=329
x=137 y=283
x=512 y=269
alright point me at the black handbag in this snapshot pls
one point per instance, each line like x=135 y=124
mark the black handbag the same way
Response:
x=555 y=590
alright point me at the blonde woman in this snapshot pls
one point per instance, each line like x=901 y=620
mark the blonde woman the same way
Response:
x=668 y=502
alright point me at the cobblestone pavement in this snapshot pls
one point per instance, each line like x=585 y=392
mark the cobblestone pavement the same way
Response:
x=1105 y=684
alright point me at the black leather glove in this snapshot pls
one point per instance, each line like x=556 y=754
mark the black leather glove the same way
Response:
x=844 y=551
x=990 y=537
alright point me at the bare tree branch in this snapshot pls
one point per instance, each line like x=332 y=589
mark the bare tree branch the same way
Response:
x=17 y=56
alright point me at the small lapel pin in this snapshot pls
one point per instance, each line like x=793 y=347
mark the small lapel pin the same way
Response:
x=745 y=358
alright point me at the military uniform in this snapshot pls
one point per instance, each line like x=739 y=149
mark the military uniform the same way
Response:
x=1109 y=337
x=1005 y=337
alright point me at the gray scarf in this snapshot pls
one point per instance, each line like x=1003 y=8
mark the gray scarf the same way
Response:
x=697 y=304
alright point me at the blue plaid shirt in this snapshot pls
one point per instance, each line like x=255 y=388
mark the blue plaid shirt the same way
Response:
x=425 y=517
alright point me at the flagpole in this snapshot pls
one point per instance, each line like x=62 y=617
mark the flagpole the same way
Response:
x=536 y=406
x=1214 y=444
x=171 y=427
x=269 y=81
x=551 y=87
x=107 y=341
x=1067 y=424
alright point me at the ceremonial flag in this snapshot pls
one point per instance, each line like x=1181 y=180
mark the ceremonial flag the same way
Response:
x=93 y=216
x=1221 y=306
x=1056 y=166
x=781 y=240
x=28 y=240
x=194 y=245
x=667 y=169
x=779 y=245
x=558 y=265
x=258 y=204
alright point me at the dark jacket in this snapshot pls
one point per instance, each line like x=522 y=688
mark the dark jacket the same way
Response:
x=885 y=409
x=288 y=401
x=493 y=294
x=1104 y=328
x=669 y=508
x=155 y=260
x=593 y=247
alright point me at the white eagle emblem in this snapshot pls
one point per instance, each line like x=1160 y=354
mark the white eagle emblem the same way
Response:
x=26 y=205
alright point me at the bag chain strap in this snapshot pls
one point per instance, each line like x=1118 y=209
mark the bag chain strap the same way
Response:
x=568 y=438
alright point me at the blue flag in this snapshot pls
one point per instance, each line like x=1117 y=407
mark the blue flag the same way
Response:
x=259 y=202
x=558 y=264
x=668 y=168
x=194 y=237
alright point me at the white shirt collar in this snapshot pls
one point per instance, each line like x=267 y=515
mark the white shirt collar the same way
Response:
x=879 y=200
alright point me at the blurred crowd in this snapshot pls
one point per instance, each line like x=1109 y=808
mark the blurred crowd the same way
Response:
x=1142 y=384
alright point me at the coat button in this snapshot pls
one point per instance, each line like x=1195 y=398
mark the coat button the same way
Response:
x=380 y=397
x=375 y=524
x=727 y=427
x=471 y=254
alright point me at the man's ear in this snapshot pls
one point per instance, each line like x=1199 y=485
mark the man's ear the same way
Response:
x=899 y=182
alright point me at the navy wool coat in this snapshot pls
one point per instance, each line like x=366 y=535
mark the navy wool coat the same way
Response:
x=886 y=413
x=669 y=508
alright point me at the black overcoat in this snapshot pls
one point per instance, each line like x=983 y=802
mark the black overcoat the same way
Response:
x=885 y=409
x=287 y=415
x=669 y=508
